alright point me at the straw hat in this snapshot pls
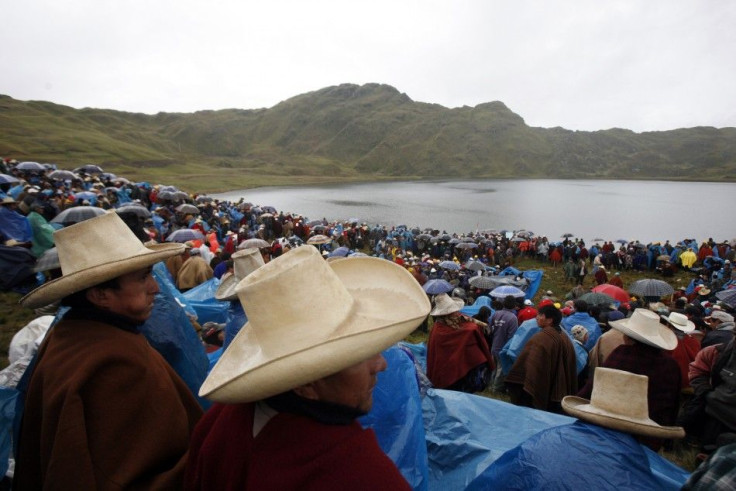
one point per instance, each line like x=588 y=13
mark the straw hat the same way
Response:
x=619 y=401
x=445 y=305
x=680 y=321
x=308 y=319
x=644 y=326
x=94 y=251
x=245 y=262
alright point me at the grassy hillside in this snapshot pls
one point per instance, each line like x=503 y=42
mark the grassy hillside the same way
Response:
x=348 y=133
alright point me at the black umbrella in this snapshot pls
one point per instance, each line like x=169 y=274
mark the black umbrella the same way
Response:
x=31 y=166
x=134 y=209
x=651 y=287
x=77 y=214
x=63 y=175
x=90 y=169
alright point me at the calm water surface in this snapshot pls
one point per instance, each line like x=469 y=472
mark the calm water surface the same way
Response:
x=610 y=210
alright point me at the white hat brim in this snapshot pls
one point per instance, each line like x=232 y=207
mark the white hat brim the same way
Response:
x=79 y=280
x=582 y=409
x=384 y=313
x=665 y=339
x=226 y=290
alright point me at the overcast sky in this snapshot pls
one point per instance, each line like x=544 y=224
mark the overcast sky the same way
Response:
x=586 y=65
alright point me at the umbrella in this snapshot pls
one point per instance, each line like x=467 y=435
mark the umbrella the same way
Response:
x=269 y=209
x=320 y=228
x=651 y=287
x=121 y=180
x=77 y=214
x=179 y=195
x=89 y=195
x=90 y=169
x=452 y=265
x=505 y=290
x=518 y=239
x=454 y=240
x=475 y=266
x=524 y=233
x=8 y=179
x=134 y=209
x=622 y=241
x=63 y=175
x=597 y=239
x=169 y=195
x=466 y=245
x=316 y=222
x=483 y=282
x=592 y=298
x=612 y=291
x=186 y=208
x=253 y=244
x=728 y=297
x=49 y=260
x=340 y=252
x=184 y=235
x=435 y=287
x=204 y=199
x=30 y=166
x=565 y=236
x=423 y=237
x=107 y=176
x=318 y=239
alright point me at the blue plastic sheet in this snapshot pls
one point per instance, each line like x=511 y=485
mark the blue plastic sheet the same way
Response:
x=481 y=301
x=466 y=433
x=578 y=456
x=170 y=332
x=8 y=399
x=236 y=319
x=13 y=225
x=533 y=275
x=202 y=299
x=396 y=418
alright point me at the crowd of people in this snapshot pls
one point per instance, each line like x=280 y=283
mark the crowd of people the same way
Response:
x=104 y=235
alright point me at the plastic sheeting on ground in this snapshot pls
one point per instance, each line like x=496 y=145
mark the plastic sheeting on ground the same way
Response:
x=397 y=419
x=468 y=433
x=202 y=299
x=580 y=456
x=533 y=275
x=481 y=301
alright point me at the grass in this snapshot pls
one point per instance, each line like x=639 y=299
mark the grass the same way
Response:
x=14 y=317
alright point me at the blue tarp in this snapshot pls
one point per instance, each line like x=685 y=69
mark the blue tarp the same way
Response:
x=481 y=301
x=170 y=332
x=8 y=399
x=467 y=433
x=202 y=299
x=612 y=461
x=396 y=418
x=533 y=275
x=13 y=225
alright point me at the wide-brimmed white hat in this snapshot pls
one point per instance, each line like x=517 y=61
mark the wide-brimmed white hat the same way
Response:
x=245 y=261
x=445 y=305
x=94 y=251
x=619 y=401
x=680 y=322
x=308 y=319
x=644 y=326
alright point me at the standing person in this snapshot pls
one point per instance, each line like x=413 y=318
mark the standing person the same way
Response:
x=103 y=409
x=503 y=324
x=580 y=272
x=545 y=371
x=458 y=357
x=300 y=372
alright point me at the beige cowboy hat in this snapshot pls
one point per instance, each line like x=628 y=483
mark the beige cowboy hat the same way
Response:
x=619 y=401
x=644 y=326
x=94 y=251
x=308 y=319
x=245 y=262
x=680 y=322
x=445 y=305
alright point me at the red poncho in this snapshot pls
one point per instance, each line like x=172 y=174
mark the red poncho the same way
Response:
x=452 y=353
x=290 y=452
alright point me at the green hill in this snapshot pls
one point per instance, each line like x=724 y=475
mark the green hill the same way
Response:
x=347 y=133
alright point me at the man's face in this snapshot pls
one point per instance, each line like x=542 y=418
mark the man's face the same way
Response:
x=543 y=321
x=134 y=299
x=352 y=387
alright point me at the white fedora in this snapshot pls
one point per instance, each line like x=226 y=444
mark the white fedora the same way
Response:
x=245 y=261
x=619 y=401
x=644 y=326
x=94 y=251
x=680 y=321
x=445 y=305
x=308 y=318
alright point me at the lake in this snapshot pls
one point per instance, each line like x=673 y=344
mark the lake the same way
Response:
x=589 y=209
